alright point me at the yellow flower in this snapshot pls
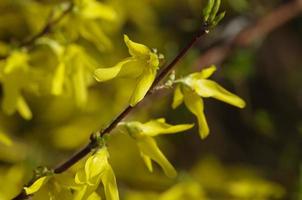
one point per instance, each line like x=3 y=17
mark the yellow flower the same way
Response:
x=14 y=76
x=97 y=169
x=4 y=139
x=143 y=62
x=149 y=150
x=196 y=85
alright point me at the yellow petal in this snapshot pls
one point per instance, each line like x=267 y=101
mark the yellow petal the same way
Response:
x=4 y=139
x=147 y=161
x=11 y=92
x=94 y=196
x=159 y=126
x=208 y=88
x=195 y=104
x=106 y=74
x=144 y=83
x=24 y=109
x=96 y=164
x=148 y=147
x=58 y=80
x=136 y=49
x=92 y=32
x=110 y=186
x=36 y=185
x=96 y=10
x=81 y=193
x=16 y=61
x=80 y=177
x=207 y=72
x=132 y=69
x=79 y=86
x=178 y=97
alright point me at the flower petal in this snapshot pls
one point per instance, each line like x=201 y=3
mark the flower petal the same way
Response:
x=195 y=104
x=4 y=139
x=96 y=164
x=110 y=186
x=58 y=80
x=147 y=161
x=23 y=108
x=36 y=185
x=208 y=88
x=159 y=126
x=144 y=83
x=94 y=196
x=96 y=10
x=136 y=49
x=80 y=177
x=178 y=97
x=148 y=147
x=92 y=32
x=207 y=72
x=79 y=86
x=106 y=74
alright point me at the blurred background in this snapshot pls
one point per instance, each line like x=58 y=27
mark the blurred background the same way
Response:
x=254 y=153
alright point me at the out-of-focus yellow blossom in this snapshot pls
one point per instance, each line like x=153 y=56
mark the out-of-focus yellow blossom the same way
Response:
x=149 y=150
x=245 y=189
x=189 y=90
x=14 y=76
x=143 y=65
x=4 y=139
x=86 y=19
x=185 y=190
x=73 y=72
x=97 y=169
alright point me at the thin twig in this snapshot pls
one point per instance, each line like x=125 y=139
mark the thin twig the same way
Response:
x=87 y=149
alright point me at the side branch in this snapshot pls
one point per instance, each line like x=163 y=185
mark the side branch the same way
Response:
x=63 y=167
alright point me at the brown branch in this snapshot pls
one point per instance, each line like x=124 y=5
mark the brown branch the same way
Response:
x=87 y=149
x=264 y=26
x=61 y=168
x=247 y=36
x=44 y=31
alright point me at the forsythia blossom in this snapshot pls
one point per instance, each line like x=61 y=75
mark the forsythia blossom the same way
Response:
x=14 y=77
x=97 y=169
x=149 y=150
x=189 y=90
x=143 y=65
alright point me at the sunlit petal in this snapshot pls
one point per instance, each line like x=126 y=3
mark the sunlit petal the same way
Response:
x=195 y=104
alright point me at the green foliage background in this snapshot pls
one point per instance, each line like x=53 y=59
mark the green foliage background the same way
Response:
x=253 y=153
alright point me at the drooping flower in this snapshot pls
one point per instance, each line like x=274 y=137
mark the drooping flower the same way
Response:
x=143 y=135
x=189 y=90
x=73 y=71
x=143 y=64
x=97 y=169
x=85 y=20
x=14 y=76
